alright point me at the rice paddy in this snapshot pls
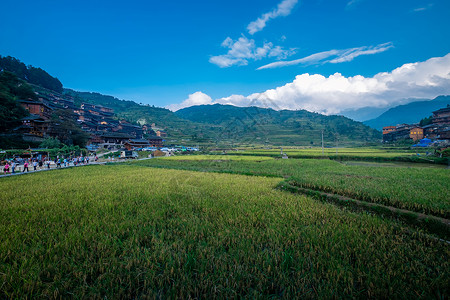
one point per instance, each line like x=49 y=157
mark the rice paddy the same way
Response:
x=136 y=231
x=423 y=190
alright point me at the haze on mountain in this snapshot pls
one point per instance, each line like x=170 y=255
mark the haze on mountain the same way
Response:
x=410 y=113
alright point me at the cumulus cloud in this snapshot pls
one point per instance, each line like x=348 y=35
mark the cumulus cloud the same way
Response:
x=331 y=56
x=283 y=9
x=335 y=93
x=244 y=49
x=197 y=98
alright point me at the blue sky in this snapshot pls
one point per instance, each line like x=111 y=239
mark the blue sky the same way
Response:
x=161 y=52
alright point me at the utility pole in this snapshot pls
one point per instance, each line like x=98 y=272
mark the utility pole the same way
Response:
x=322 y=143
x=337 y=141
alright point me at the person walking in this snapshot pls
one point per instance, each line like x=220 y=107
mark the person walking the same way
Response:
x=58 y=163
x=48 y=163
x=35 y=164
x=6 y=168
x=13 y=166
x=25 y=166
x=40 y=164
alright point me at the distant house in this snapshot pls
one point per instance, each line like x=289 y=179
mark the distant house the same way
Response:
x=441 y=116
x=114 y=140
x=416 y=133
x=161 y=133
x=401 y=132
x=37 y=108
x=155 y=141
x=34 y=125
x=133 y=144
x=388 y=129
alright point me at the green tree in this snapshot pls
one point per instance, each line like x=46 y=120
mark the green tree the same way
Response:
x=50 y=143
x=11 y=112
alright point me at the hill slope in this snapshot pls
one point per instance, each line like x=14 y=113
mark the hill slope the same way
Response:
x=261 y=125
x=178 y=129
x=409 y=113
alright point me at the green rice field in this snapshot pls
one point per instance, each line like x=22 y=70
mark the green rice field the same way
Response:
x=147 y=230
x=367 y=154
x=423 y=190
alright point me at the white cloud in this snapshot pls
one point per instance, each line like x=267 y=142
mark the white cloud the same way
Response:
x=243 y=50
x=197 y=98
x=331 y=56
x=283 y=9
x=418 y=9
x=352 y=2
x=333 y=94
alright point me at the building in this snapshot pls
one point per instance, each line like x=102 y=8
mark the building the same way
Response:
x=155 y=141
x=34 y=125
x=401 y=132
x=441 y=116
x=161 y=133
x=114 y=140
x=388 y=129
x=416 y=133
x=37 y=108
x=133 y=144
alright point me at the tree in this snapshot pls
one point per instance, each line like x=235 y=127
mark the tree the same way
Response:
x=426 y=121
x=50 y=143
x=64 y=127
x=11 y=112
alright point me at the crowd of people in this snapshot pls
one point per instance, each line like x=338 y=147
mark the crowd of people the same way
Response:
x=18 y=164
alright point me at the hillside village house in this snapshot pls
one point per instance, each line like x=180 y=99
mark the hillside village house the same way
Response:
x=441 y=116
x=37 y=108
x=438 y=129
x=388 y=129
x=136 y=143
x=133 y=144
x=416 y=133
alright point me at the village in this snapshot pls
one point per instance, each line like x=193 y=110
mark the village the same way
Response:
x=105 y=130
x=436 y=132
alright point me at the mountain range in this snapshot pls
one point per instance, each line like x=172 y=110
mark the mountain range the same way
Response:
x=230 y=125
x=410 y=113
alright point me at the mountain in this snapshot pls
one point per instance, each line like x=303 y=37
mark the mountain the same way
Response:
x=178 y=129
x=364 y=113
x=220 y=125
x=30 y=74
x=410 y=113
x=256 y=125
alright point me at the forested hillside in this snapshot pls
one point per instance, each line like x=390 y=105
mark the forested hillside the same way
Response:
x=285 y=127
x=30 y=74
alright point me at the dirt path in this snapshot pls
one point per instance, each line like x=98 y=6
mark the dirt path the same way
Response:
x=437 y=225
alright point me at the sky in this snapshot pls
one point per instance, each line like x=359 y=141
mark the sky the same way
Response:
x=320 y=55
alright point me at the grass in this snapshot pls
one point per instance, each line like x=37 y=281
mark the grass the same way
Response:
x=423 y=190
x=125 y=231
x=365 y=154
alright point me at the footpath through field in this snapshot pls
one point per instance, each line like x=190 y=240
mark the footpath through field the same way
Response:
x=53 y=166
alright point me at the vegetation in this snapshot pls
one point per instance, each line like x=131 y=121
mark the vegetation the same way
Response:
x=285 y=127
x=178 y=234
x=177 y=128
x=63 y=126
x=345 y=154
x=30 y=74
x=50 y=143
x=11 y=90
x=416 y=189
